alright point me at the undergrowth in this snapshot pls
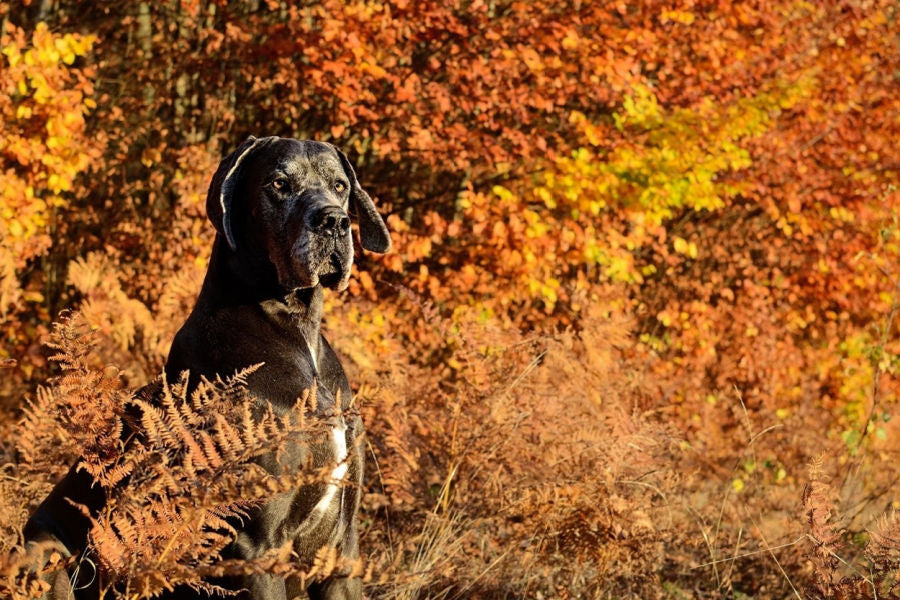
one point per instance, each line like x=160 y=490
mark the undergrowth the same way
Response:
x=543 y=466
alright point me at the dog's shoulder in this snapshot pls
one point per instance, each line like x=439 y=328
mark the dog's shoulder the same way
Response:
x=331 y=373
x=226 y=340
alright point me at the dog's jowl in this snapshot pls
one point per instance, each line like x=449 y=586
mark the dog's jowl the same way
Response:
x=282 y=211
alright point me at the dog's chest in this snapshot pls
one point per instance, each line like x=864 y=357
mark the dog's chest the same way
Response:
x=313 y=513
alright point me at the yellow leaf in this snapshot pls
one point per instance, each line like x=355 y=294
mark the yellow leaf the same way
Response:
x=679 y=16
x=502 y=193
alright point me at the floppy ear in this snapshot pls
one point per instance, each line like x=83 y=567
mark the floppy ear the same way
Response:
x=373 y=233
x=219 y=198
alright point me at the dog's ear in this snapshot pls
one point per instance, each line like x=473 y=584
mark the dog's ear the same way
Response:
x=373 y=233
x=220 y=197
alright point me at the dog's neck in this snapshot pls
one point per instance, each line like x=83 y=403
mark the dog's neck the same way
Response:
x=233 y=282
x=301 y=311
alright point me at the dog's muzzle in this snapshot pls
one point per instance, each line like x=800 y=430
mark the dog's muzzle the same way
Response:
x=324 y=251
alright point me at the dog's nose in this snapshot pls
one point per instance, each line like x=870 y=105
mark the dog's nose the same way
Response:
x=330 y=220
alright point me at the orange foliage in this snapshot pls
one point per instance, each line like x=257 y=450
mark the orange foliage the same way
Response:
x=646 y=269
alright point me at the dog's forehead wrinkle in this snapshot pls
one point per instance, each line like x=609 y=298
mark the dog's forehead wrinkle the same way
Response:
x=297 y=168
x=308 y=170
x=326 y=166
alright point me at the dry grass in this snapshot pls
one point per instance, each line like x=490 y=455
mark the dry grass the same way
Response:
x=551 y=465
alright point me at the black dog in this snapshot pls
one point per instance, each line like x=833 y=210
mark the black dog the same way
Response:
x=280 y=207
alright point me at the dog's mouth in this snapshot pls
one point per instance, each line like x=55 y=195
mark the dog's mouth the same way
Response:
x=315 y=260
x=332 y=272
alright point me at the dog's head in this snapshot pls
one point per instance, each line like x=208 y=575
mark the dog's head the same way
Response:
x=290 y=200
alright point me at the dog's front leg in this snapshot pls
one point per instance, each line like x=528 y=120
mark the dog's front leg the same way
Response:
x=342 y=586
x=262 y=586
x=336 y=588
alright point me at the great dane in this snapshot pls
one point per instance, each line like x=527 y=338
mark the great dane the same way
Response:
x=281 y=211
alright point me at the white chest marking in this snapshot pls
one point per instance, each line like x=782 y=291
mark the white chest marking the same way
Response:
x=312 y=356
x=339 y=439
x=339 y=443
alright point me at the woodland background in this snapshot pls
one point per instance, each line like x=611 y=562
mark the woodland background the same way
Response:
x=638 y=336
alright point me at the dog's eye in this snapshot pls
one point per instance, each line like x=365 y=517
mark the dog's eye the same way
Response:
x=280 y=183
x=340 y=186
